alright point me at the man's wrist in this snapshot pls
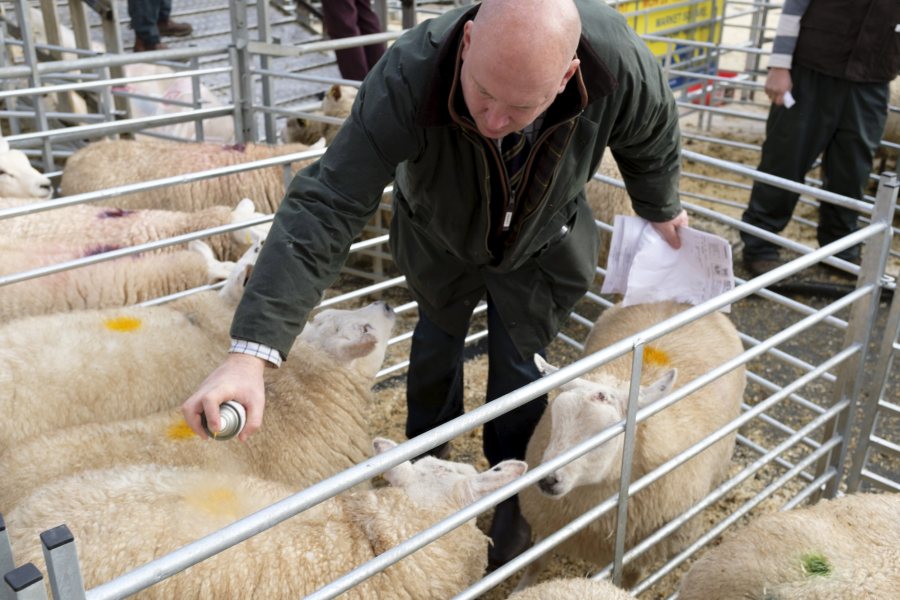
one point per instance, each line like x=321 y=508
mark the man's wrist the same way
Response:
x=267 y=353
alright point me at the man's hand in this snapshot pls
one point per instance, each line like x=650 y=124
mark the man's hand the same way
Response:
x=669 y=229
x=239 y=378
x=778 y=83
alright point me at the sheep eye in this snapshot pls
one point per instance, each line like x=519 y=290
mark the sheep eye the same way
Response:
x=2 y=172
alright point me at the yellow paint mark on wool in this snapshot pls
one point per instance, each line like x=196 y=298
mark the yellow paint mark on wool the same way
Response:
x=217 y=501
x=122 y=324
x=655 y=357
x=180 y=431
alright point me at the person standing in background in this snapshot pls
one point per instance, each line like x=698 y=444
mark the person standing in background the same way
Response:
x=348 y=18
x=151 y=20
x=837 y=58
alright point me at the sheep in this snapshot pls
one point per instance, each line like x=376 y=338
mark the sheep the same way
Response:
x=109 y=163
x=117 y=282
x=841 y=548
x=575 y=588
x=125 y=517
x=93 y=366
x=336 y=103
x=18 y=179
x=586 y=406
x=314 y=424
x=88 y=229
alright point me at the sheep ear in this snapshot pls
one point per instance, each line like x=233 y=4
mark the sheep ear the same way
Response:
x=4 y=145
x=543 y=366
x=335 y=92
x=381 y=445
x=482 y=484
x=659 y=388
x=245 y=207
x=362 y=346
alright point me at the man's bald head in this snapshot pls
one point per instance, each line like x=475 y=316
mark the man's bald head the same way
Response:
x=517 y=56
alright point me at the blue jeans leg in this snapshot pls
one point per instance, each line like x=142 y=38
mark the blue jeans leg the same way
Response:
x=145 y=14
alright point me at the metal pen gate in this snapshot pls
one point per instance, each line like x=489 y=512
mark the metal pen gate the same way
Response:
x=794 y=446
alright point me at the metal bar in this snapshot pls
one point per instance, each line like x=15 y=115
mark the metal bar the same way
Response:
x=63 y=571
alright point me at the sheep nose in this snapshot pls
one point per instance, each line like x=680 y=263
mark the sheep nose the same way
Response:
x=548 y=483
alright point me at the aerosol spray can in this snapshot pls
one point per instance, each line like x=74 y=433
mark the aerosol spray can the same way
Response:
x=232 y=418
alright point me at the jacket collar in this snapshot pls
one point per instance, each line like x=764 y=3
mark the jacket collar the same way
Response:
x=592 y=80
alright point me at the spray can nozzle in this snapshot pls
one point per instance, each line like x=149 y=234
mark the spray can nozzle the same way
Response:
x=232 y=418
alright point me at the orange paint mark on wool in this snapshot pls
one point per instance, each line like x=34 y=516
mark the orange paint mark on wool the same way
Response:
x=218 y=501
x=180 y=431
x=122 y=324
x=655 y=357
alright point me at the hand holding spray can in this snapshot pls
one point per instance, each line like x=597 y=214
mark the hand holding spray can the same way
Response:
x=232 y=418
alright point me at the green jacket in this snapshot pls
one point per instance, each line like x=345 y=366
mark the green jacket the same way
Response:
x=409 y=124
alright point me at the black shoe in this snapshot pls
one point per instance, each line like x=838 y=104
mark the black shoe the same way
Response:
x=142 y=46
x=170 y=28
x=760 y=266
x=510 y=533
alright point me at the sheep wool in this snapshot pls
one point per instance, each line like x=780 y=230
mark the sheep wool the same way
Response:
x=94 y=366
x=314 y=425
x=576 y=588
x=110 y=163
x=85 y=229
x=841 y=548
x=599 y=400
x=337 y=103
x=122 y=518
x=117 y=282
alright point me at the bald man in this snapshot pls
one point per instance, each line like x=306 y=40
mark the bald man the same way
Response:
x=558 y=81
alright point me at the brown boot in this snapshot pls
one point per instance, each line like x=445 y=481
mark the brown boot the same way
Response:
x=141 y=46
x=172 y=28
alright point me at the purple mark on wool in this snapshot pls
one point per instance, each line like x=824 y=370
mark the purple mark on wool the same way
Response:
x=101 y=249
x=114 y=213
x=236 y=147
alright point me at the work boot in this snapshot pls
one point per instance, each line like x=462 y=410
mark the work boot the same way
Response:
x=760 y=266
x=142 y=46
x=170 y=28
x=510 y=533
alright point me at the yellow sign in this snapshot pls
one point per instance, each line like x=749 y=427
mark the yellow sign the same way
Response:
x=679 y=19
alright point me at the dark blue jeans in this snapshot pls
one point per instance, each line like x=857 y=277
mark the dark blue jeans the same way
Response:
x=145 y=14
x=434 y=385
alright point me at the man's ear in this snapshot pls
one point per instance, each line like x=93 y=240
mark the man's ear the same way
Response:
x=570 y=72
x=467 y=39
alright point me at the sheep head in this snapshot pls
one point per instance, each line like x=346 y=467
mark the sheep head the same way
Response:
x=357 y=338
x=18 y=179
x=583 y=409
x=431 y=481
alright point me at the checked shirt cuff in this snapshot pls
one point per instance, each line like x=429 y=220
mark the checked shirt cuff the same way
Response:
x=262 y=351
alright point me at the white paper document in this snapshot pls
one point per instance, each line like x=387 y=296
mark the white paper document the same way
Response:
x=644 y=268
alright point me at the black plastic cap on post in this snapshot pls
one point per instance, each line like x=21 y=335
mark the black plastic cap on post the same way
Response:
x=22 y=577
x=56 y=537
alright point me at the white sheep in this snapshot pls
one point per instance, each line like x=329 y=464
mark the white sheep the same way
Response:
x=86 y=229
x=314 y=424
x=575 y=588
x=18 y=179
x=109 y=163
x=843 y=548
x=122 y=518
x=336 y=103
x=118 y=282
x=586 y=406
x=92 y=366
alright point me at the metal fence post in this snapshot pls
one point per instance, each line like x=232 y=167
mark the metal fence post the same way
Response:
x=243 y=86
x=58 y=545
x=851 y=373
x=25 y=583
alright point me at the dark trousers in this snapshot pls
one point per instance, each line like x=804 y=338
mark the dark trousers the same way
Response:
x=840 y=119
x=434 y=386
x=348 y=18
x=145 y=14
